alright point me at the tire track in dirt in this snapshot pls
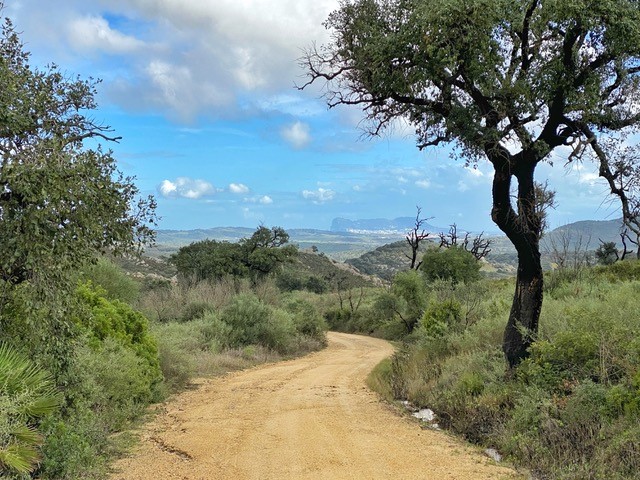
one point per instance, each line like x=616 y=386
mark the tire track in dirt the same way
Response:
x=309 y=418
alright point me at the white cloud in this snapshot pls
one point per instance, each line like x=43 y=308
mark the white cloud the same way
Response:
x=219 y=56
x=186 y=187
x=476 y=172
x=423 y=183
x=590 y=178
x=297 y=134
x=321 y=195
x=262 y=199
x=238 y=188
x=94 y=33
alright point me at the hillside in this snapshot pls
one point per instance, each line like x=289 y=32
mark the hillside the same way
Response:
x=584 y=236
x=378 y=253
x=398 y=226
x=338 y=245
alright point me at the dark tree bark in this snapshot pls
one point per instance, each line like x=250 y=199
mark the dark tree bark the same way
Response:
x=531 y=77
x=523 y=229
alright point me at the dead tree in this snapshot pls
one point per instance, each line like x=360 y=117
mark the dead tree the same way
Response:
x=415 y=236
x=624 y=237
x=478 y=247
x=620 y=167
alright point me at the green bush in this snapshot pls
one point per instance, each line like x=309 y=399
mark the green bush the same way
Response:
x=316 y=285
x=103 y=319
x=193 y=310
x=307 y=319
x=253 y=322
x=113 y=280
x=122 y=383
x=289 y=281
x=627 y=270
x=440 y=317
x=454 y=264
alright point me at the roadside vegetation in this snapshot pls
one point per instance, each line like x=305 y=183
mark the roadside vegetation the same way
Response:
x=84 y=347
x=571 y=410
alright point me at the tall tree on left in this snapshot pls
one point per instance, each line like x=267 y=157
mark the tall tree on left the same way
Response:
x=61 y=202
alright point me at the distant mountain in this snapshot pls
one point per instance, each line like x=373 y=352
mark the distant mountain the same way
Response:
x=400 y=226
x=338 y=245
x=574 y=238
x=586 y=233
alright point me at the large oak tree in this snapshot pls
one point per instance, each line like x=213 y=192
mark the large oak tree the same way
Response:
x=62 y=199
x=506 y=81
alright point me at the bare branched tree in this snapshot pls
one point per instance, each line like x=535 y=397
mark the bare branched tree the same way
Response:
x=478 y=247
x=624 y=238
x=620 y=167
x=567 y=250
x=415 y=236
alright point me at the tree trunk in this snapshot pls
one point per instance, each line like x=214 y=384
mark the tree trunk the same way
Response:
x=525 y=310
x=523 y=229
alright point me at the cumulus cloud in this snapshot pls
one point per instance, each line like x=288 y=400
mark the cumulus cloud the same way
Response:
x=238 y=188
x=185 y=187
x=193 y=50
x=423 y=183
x=261 y=199
x=321 y=195
x=297 y=134
x=94 y=33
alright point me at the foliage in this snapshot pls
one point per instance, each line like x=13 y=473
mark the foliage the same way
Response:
x=411 y=290
x=104 y=319
x=307 y=319
x=607 y=253
x=570 y=410
x=254 y=257
x=51 y=221
x=506 y=82
x=454 y=264
x=253 y=322
x=112 y=279
x=440 y=316
x=27 y=395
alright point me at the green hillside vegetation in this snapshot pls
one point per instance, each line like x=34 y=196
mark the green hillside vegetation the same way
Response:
x=386 y=260
x=569 y=411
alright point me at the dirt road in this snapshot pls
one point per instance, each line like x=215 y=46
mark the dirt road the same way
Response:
x=310 y=418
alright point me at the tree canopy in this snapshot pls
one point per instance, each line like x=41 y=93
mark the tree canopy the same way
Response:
x=505 y=81
x=254 y=257
x=61 y=203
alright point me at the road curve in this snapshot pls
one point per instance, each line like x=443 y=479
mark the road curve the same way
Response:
x=309 y=418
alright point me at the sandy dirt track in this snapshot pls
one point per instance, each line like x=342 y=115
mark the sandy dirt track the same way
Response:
x=309 y=418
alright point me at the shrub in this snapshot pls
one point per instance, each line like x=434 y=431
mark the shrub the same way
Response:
x=193 y=310
x=253 y=322
x=115 y=283
x=316 y=284
x=307 y=319
x=289 y=281
x=103 y=319
x=122 y=383
x=453 y=263
x=441 y=316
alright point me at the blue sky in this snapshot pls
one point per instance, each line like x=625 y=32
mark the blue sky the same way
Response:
x=202 y=93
